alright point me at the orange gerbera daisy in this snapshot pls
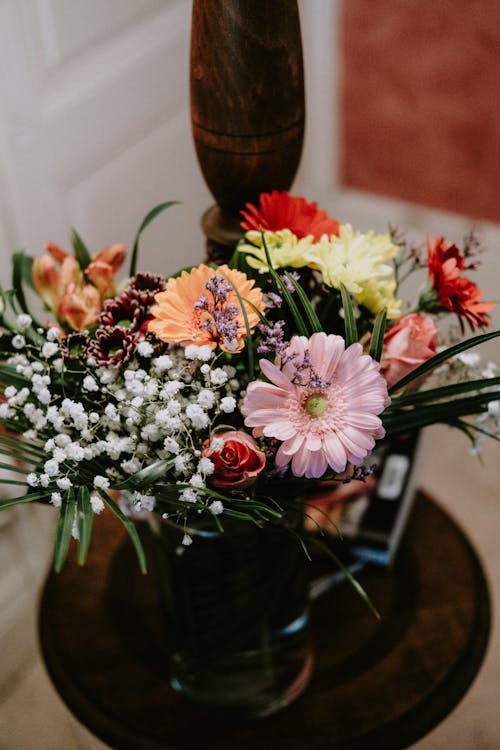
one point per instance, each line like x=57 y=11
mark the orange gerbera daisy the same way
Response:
x=201 y=307
x=282 y=211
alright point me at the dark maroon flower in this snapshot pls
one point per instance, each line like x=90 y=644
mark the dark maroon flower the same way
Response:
x=113 y=346
x=124 y=312
x=74 y=346
x=144 y=286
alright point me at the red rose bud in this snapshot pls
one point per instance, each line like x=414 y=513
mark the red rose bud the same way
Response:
x=236 y=458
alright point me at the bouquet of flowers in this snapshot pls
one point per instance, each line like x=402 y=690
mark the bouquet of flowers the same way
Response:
x=221 y=391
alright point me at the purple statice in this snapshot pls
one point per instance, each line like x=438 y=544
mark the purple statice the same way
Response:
x=219 y=288
x=295 y=276
x=361 y=473
x=273 y=301
x=273 y=341
x=216 y=315
x=306 y=375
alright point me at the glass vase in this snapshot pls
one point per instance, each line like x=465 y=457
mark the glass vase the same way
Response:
x=236 y=611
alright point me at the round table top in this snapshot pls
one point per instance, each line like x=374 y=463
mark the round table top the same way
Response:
x=376 y=684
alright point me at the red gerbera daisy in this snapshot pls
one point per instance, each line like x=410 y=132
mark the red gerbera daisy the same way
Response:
x=455 y=292
x=282 y=211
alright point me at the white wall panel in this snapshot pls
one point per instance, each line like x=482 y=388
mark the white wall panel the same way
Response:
x=70 y=26
x=110 y=204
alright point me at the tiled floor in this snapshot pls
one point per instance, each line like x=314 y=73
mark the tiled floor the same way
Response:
x=32 y=716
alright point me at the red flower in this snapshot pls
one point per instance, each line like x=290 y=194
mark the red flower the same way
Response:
x=282 y=211
x=454 y=291
x=236 y=457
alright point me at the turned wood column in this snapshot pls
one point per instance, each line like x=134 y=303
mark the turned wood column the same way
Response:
x=247 y=105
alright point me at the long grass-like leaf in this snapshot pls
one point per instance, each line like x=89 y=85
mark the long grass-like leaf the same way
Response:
x=18 y=278
x=351 y=329
x=444 y=391
x=156 y=211
x=85 y=519
x=281 y=287
x=441 y=357
x=19 y=446
x=349 y=576
x=149 y=475
x=17 y=455
x=313 y=319
x=13 y=467
x=30 y=497
x=400 y=420
x=377 y=342
x=477 y=428
x=129 y=526
x=249 y=341
x=9 y=375
x=64 y=529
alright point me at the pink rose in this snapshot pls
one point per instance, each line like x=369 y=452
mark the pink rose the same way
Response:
x=236 y=457
x=411 y=341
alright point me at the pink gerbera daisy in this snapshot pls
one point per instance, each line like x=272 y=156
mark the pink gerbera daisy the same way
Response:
x=322 y=402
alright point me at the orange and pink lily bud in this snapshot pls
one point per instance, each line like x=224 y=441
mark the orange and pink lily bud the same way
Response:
x=113 y=256
x=102 y=276
x=46 y=279
x=61 y=283
x=79 y=306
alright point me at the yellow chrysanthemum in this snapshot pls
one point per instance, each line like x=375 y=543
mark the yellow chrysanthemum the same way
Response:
x=378 y=294
x=285 y=249
x=359 y=262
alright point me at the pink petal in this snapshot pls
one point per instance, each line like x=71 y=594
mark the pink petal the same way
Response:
x=300 y=461
x=280 y=430
x=334 y=452
x=317 y=465
x=275 y=375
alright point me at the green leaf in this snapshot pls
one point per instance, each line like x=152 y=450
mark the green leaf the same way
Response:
x=401 y=420
x=145 y=223
x=347 y=573
x=85 y=518
x=438 y=359
x=22 y=499
x=443 y=391
x=14 y=468
x=129 y=526
x=20 y=446
x=64 y=528
x=314 y=321
x=281 y=286
x=81 y=251
x=377 y=342
x=351 y=329
x=9 y=376
x=18 y=278
x=17 y=455
x=249 y=341
x=147 y=476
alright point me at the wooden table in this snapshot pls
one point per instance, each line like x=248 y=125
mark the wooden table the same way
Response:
x=376 y=685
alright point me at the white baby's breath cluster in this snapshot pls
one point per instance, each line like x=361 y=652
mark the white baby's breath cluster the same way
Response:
x=123 y=420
